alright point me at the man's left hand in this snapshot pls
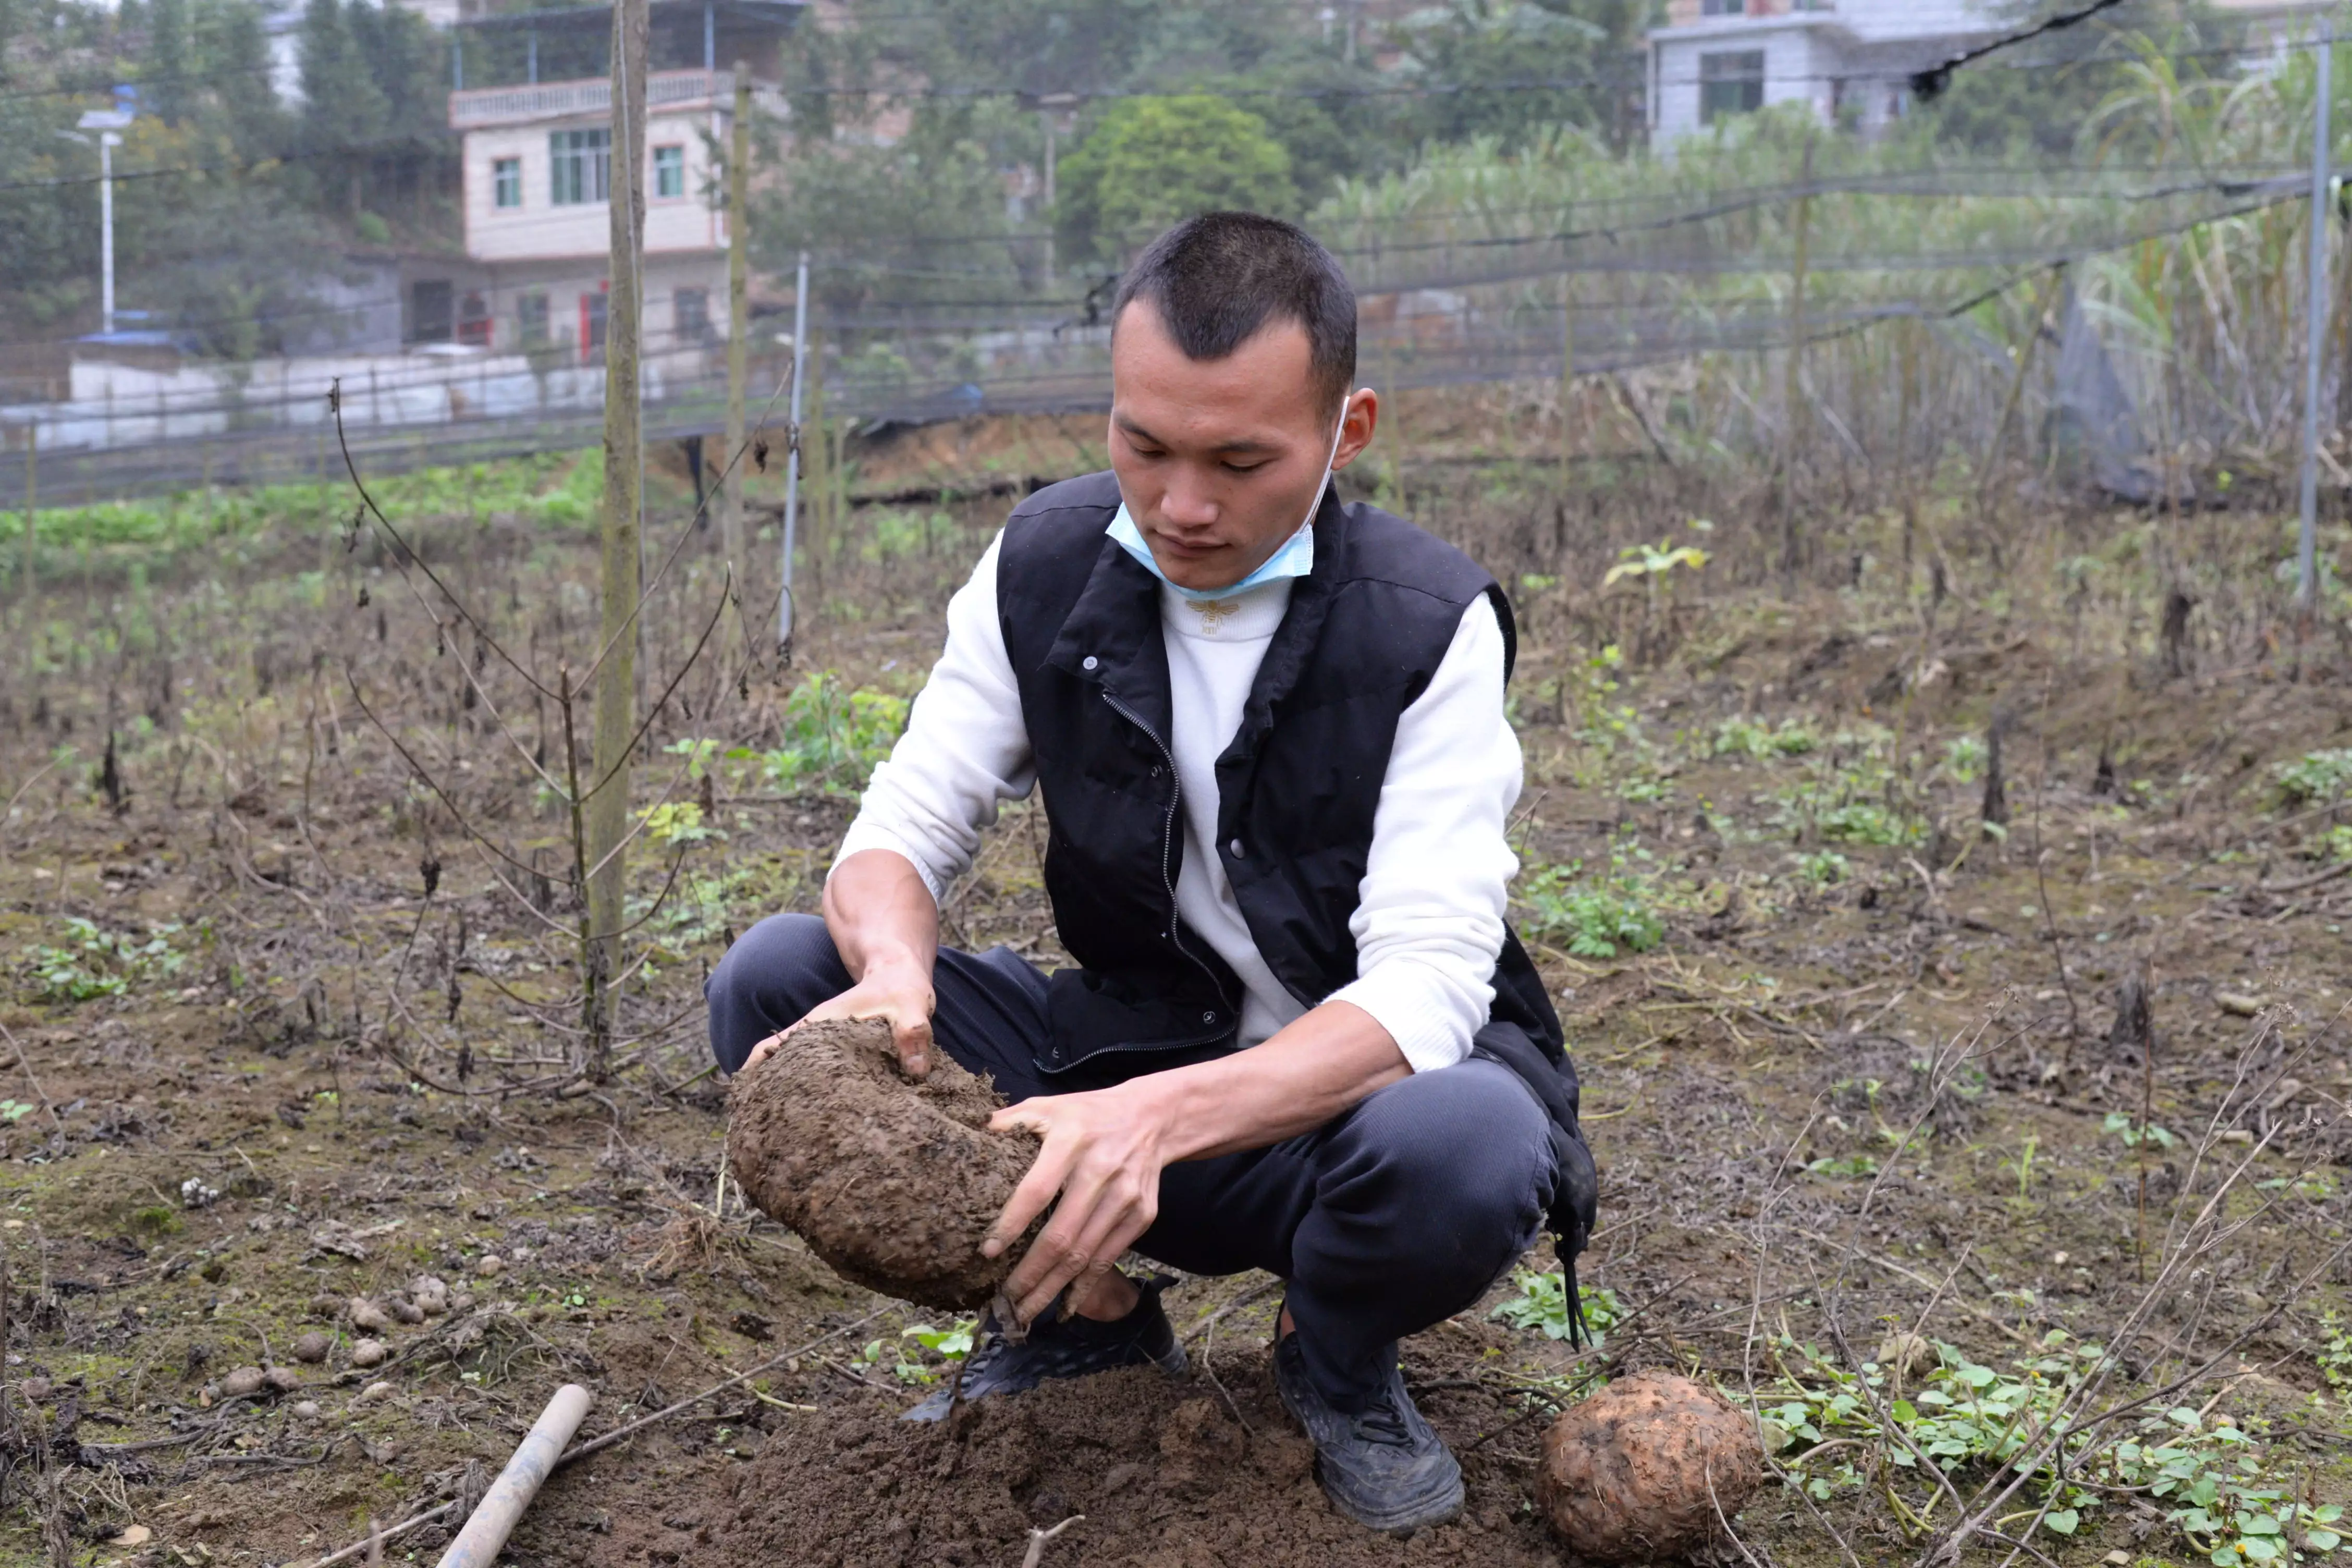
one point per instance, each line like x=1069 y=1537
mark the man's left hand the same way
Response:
x=1103 y=1153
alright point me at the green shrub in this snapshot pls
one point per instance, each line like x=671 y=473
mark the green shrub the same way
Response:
x=833 y=738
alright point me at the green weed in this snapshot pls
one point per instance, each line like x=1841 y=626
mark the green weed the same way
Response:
x=1594 y=918
x=1746 y=738
x=2316 y=779
x=92 y=962
x=1542 y=1304
x=2227 y=1495
x=833 y=738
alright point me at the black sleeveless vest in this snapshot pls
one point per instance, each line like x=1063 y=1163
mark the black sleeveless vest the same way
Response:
x=1297 y=788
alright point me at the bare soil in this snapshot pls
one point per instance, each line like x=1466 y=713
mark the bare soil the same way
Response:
x=331 y=1072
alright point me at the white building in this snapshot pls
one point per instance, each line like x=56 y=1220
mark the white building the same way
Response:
x=1851 y=59
x=536 y=171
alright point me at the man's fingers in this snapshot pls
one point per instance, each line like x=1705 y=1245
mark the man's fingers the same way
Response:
x=914 y=1038
x=1108 y=1216
x=1028 y=1201
x=762 y=1051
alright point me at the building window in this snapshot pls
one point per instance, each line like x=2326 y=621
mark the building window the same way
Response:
x=530 y=319
x=431 y=307
x=1730 y=84
x=669 y=172
x=581 y=166
x=1723 y=7
x=691 y=315
x=506 y=182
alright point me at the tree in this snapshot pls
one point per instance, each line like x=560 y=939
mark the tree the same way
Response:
x=2036 y=101
x=1151 y=162
x=173 y=63
x=1525 y=66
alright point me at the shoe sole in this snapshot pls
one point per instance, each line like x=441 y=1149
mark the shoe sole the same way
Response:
x=1399 y=1521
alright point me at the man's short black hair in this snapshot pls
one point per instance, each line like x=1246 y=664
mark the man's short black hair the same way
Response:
x=1218 y=278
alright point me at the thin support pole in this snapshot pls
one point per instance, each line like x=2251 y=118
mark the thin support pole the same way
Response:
x=793 y=462
x=739 y=325
x=2307 y=552
x=32 y=511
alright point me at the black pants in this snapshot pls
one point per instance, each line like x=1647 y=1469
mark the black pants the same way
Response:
x=1391 y=1217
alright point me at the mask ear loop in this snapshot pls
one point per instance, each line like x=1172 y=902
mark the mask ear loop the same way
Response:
x=1338 y=432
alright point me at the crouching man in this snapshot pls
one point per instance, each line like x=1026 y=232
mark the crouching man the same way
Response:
x=1269 y=730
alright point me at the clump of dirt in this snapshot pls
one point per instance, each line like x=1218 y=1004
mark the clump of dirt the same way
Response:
x=1167 y=1472
x=892 y=1182
x=1649 y=1469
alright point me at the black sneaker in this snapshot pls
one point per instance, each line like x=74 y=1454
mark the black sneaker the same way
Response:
x=1059 y=1346
x=1382 y=1467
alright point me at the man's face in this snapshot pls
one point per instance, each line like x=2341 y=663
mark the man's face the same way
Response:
x=1218 y=460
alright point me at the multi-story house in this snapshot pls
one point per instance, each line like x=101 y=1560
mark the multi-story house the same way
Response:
x=1851 y=59
x=534 y=105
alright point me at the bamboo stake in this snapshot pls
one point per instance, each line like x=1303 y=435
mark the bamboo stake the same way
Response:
x=485 y=1535
x=739 y=325
x=32 y=512
x=1794 y=419
x=607 y=805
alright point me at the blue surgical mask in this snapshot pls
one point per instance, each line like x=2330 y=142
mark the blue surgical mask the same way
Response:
x=1296 y=558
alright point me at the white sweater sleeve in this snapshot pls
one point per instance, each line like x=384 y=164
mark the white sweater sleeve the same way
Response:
x=1430 y=924
x=965 y=751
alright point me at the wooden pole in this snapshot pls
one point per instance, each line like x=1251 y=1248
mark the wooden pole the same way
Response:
x=1794 y=397
x=485 y=1535
x=32 y=512
x=608 y=804
x=1567 y=370
x=739 y=324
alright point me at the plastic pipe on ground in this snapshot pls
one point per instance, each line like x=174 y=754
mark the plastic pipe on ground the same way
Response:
x=477 y=1545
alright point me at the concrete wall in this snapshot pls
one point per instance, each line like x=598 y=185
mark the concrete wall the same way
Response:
x=116 y=405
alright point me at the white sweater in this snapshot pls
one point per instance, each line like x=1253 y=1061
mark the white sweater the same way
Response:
x=1429 y=924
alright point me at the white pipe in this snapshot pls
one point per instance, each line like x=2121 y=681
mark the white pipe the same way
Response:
x=478 y=1545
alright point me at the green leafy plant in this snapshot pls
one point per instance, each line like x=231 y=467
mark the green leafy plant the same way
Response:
x=833 y=738
x=1746 y=738
x=2229 y=1497
x=1652 y=561
x=2316 y=778
x=2135 y=1133
x=1825 y=868
x=1540 y=1304
x=1592 y=919
x=676 y=822
x=92 y=962
x=12 y=1112
x=1964 y=758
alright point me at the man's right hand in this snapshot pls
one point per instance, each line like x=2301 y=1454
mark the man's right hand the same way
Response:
x=900 y=992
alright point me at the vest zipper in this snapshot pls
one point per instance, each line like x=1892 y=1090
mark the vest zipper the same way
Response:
x=1167 y=835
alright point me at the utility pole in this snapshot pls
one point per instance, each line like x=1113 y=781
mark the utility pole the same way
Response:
x=109 y=123
x=792 y=461
x=738 y=327
x=2306 y=549
x=608 y=804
